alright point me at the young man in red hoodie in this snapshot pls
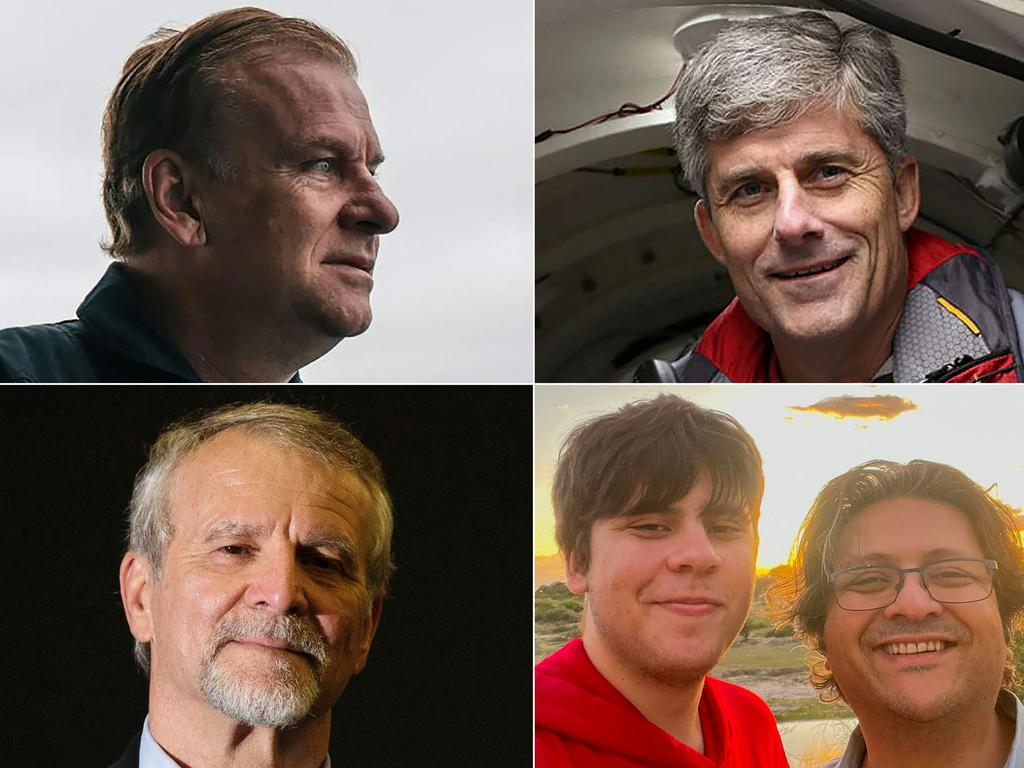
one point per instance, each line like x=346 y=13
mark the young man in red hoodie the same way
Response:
x=656 y=509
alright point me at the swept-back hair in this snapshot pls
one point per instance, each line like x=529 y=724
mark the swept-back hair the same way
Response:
x=763 y=73
x=173 y=94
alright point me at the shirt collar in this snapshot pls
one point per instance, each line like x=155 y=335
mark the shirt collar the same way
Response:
x=152 y=755
x=1007 y=705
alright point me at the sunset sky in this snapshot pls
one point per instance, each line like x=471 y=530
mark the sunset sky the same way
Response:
x=808 y=434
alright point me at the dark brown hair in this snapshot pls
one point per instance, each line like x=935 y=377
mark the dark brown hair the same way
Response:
x=803 y=596
x=171 y=95
x=643 y=458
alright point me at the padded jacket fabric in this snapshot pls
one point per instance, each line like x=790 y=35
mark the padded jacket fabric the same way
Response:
x=582 y=720
x=112 y=340
x=958 y=325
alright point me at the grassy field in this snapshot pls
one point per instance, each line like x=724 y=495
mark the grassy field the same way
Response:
x=772 y=666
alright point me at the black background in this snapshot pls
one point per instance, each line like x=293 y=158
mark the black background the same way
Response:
x=449 y=676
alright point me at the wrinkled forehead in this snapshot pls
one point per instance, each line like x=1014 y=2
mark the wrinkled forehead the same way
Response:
x=815 y=131
x=252 y=477
x=294 y=94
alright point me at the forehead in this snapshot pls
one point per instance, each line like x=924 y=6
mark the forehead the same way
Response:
x=243 y=476
x=291 y=96
x=785 y=144
x=907 y=530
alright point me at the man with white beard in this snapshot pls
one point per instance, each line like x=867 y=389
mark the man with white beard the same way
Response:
x=259 y=554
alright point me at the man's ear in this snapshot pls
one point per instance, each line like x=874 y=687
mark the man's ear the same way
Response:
x=575 y=578
x=371 y=629
x=136 y=577
x=171 y=189
x=708 y=232
x=908 y=192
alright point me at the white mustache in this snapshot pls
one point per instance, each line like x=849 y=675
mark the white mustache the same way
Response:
x=299 y=635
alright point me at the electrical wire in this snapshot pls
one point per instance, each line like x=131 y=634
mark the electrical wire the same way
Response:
x=626 y=110
x=949 y=44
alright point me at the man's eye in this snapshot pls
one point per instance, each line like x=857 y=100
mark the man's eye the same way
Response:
x=328 y=563
x=724 y=528
x=648 y=527
x=324 y=165
x=831 y=173
x=750 y=189
x=234 y=549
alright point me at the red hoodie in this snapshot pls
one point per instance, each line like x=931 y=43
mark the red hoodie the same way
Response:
x=583 y=721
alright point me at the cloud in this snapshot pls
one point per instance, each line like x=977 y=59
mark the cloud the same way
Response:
x=880 y=407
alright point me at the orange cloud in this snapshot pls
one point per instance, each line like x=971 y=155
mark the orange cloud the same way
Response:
x=880 y=407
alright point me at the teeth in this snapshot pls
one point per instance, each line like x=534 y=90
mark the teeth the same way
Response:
x=900 y=649
x=811 y=271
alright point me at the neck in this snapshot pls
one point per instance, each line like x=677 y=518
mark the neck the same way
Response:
x=198 y=736
x=219 y=332
x=670 y=705
x=980 y=740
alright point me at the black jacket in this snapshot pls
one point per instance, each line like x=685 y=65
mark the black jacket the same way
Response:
x=130 y=758
x=112 y=340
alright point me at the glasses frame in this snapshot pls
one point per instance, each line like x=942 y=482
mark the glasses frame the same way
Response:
x=993 y=566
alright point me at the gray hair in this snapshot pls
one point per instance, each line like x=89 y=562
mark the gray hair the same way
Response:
x=305 y=430
x=763 y=73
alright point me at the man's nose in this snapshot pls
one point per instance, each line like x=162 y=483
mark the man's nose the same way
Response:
x=691 y=549
x=913 y=601
x=795 y=219
x=277 y=584
x=369 y=210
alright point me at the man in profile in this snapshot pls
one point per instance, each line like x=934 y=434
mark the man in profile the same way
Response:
x=793 y=134
x=908 y=579
x=259 y=554
x=656 y=509
x=239 y=186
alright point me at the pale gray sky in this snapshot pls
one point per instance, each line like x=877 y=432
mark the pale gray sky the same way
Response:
x=450 y=87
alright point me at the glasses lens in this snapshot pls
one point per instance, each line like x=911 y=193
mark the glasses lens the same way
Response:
x=861 y=589
x=958 y=581
x=949 y=581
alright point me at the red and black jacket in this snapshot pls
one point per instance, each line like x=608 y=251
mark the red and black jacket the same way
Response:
x=957 y=326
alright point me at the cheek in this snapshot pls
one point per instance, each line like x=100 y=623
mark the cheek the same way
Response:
x=743 y=240
x=842 y=632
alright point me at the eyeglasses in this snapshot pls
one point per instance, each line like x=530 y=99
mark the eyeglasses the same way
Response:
x=958 y=580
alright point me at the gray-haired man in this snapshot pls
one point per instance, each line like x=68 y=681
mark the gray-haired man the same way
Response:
x=260 y=549
x=793 y=133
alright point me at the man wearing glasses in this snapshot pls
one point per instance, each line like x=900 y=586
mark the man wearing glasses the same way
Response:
x=908 y=578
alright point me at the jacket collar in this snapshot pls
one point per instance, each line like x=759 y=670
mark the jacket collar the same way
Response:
x=112 y=311
x=742 y=350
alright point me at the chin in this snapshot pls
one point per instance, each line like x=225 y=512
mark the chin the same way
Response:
x=338 y=320
x=820 y=326
x=922 y=709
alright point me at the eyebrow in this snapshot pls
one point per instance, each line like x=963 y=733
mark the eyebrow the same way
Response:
x=880 y=558
x=814 y=158
x=725 y=509
x=231 y=528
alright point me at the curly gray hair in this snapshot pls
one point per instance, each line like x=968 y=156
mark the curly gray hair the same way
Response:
x=766 y=72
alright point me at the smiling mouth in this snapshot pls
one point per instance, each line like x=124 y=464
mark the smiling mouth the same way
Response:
x=906 y=649
x=817 y=269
